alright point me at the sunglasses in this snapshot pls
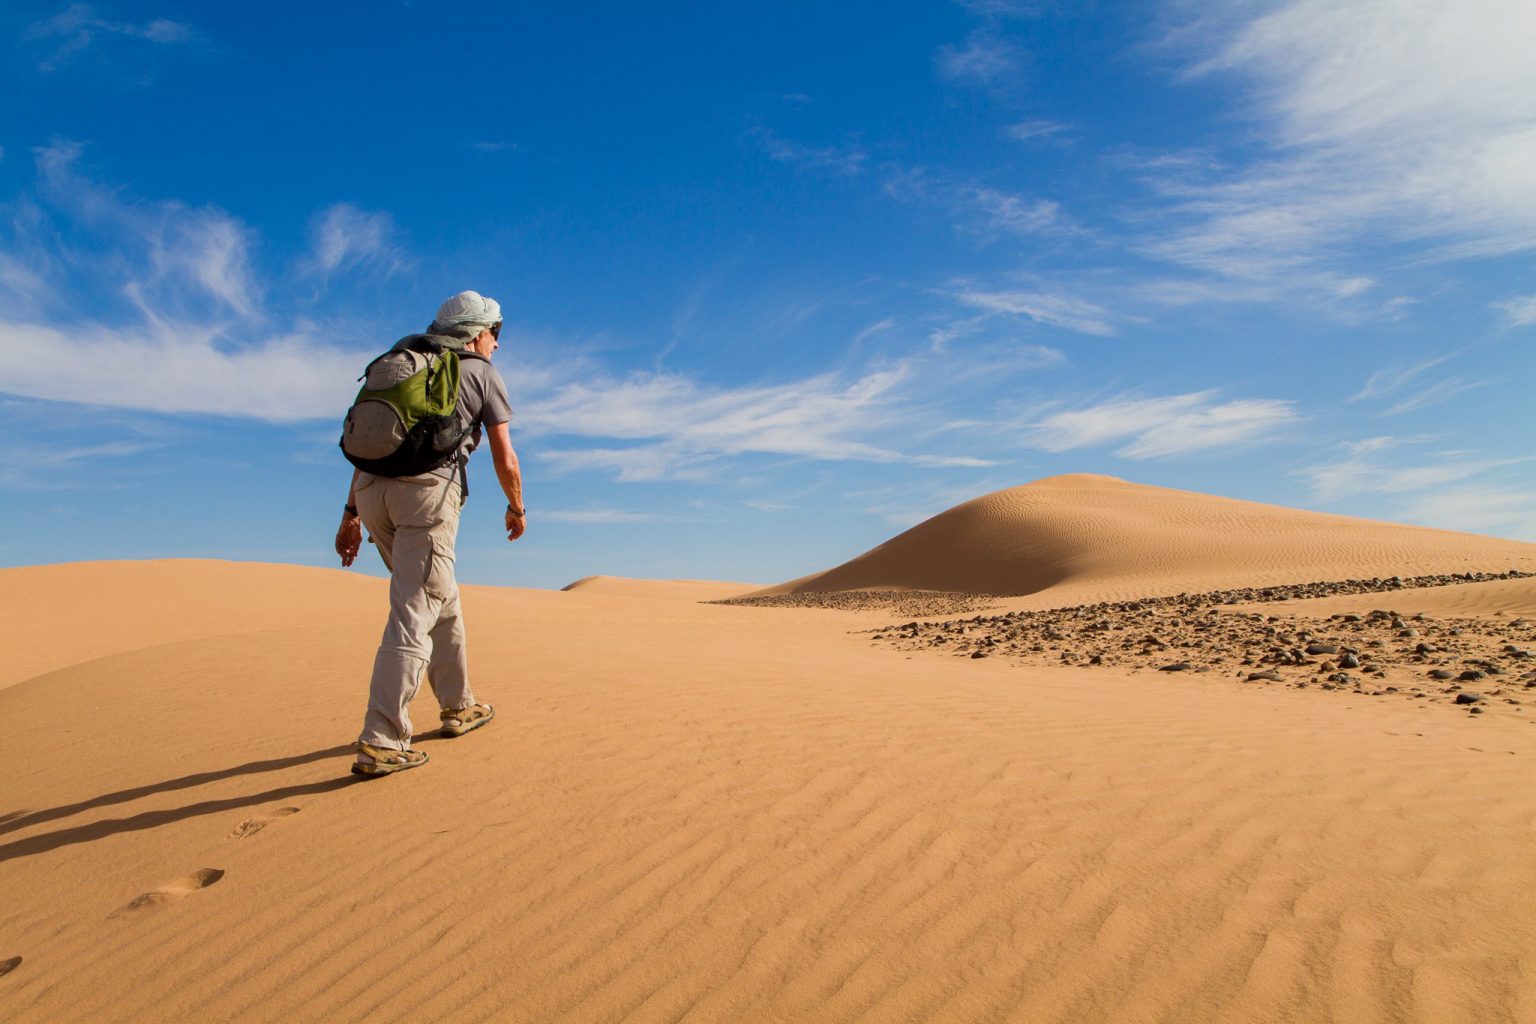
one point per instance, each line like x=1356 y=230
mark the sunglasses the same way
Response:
x=496 y=330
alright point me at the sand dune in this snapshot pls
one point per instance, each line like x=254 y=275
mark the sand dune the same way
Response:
x=659 y=590
x=57 y=615
x=722 y=813
x=1086 y=538
x=1512 y=598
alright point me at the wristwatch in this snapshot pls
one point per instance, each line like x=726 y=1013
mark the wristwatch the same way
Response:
x=521 y=513
x=350 y=510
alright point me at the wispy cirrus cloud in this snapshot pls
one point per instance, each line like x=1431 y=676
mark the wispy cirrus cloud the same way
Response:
x=680 y=428
x=1455 y=490
x=845 y=160
x=1368 y=467
x=180 y=367
x=1519 y=311
x=1411 y=391
x=985 y=58
x=78 y=27
x=1011 y=213
x=979 y=208
x=1396 y=122
x=1055 y=309
x=1035 y=128
x=177 y=311
x=165 y=254
x=344 y=237
x=1167 y=426
x=1507 y=511
x=1000 y=9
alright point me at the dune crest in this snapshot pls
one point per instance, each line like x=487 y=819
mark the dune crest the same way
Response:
x=1098 y=535
x=677 y=590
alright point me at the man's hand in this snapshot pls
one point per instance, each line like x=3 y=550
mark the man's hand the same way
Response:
x=515 y=525
x=349 y=538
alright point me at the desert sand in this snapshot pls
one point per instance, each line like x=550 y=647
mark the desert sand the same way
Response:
x=703 y=812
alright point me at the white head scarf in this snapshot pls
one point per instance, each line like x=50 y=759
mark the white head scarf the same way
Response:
x=466 y=309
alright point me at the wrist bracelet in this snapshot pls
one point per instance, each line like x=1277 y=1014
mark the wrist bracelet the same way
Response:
x=521 y=513
x=350 y=510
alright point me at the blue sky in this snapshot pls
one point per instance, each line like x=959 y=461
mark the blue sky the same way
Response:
x=778 y=282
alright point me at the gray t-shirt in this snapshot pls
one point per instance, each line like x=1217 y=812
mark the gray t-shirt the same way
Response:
x=482 y=401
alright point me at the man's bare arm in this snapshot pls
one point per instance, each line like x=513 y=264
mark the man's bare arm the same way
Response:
x=509 y=475
x=349 y=535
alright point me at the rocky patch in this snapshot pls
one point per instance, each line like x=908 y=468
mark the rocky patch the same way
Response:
x=1381 y=654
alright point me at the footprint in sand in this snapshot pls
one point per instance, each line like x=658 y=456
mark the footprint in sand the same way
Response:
x=7 y=966
x=250 y=826
x=202 y=878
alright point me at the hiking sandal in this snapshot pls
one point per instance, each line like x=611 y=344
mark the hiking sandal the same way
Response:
x=458 y=721
x=386 y=761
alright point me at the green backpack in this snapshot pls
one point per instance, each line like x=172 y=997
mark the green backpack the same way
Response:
x=402 y=422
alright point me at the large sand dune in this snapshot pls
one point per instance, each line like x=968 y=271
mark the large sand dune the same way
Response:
x=690 y=812
x=1085 y=537
x=659 y=590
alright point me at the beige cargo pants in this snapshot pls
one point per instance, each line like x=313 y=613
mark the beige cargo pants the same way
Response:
x=414 y=522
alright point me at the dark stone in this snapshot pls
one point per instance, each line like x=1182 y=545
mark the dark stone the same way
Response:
x=1270 y=677
x=1467 y=697
x=1178 y=666
x=1349 y=661
x=1441 y=673
x=1472 y=675
x=1322 y=649
x=978 y=654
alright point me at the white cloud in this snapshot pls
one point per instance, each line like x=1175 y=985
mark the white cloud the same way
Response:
x=1385 y=382
x=192 y=254
x=1162 y=427
x=211 y=249
x=1011 y=213
x=985 y=58
x=1441 y=390
x=979 y=208
x=681 y=428
x=21 y=282
x=179 y=368
x=1451 y=490
x=1395 y=380
x=1409 y=122
x=1034 y=128
x=997 y=9
x=908 y=502
x=1367 y=468
x=1053 y=309
x=878 y=327
x=1520 y=311
x=343 y=237
x=1503 y=511
x=78 y=27
x=848 y=160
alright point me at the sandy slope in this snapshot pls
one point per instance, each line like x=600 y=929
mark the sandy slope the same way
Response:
x=57 y=615
x=659 y=590
x=1512 y=598
x=1086 y=537
x=704 y=813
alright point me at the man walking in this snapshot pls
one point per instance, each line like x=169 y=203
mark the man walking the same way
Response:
x=414 y=522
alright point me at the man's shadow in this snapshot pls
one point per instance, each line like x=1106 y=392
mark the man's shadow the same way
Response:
x=153 y=819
